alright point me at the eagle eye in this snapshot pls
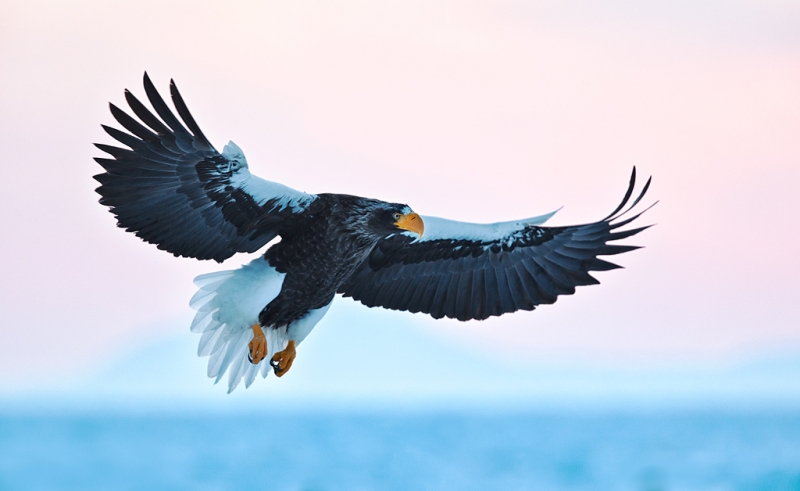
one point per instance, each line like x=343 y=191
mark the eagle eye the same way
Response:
x=397 y=216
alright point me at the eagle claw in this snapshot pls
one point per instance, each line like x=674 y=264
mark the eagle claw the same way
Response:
x=258 y=346
x=282 y=360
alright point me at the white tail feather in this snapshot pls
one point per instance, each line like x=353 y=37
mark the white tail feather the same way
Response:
x=201 y=298
x=250 y=374
x=215 y=360
x=228 y=304
x=236 y=362
x=234 y=353
x=207 y=281
x=206 y=307
x=208 y=340
x=204 y=321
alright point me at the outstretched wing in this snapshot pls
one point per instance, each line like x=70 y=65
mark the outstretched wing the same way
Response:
x=172 y=188
x=471 y=271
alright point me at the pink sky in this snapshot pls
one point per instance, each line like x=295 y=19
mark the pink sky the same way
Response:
x=478 y=111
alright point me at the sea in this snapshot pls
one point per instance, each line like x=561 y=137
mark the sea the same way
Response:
x=448 y=450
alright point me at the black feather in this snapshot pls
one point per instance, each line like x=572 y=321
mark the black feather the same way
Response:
x=172 y=189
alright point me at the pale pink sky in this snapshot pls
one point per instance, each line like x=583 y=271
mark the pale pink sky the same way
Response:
x=476 y=111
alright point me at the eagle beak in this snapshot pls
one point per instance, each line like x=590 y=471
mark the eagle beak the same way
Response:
x=411 y=222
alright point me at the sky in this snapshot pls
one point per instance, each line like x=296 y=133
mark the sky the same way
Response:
x=476 y=111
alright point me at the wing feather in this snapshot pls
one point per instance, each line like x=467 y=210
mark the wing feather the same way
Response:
x=172 y=188
x=470 y=271
x=183 y=112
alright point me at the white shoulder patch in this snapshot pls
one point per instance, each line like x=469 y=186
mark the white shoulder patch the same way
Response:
x=443 y=229
x=231 y=151
x=260 y=189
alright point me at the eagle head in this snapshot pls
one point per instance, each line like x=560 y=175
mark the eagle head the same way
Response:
x=385 y=219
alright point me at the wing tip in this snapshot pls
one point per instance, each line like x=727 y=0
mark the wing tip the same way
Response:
x=628 y=193
x=147 y=81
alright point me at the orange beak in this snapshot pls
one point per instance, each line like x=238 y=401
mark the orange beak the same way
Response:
x=411 y=222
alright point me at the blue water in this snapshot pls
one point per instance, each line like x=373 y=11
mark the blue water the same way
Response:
x=401 y=452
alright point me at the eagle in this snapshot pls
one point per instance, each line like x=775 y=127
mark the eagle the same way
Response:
x=172 y=188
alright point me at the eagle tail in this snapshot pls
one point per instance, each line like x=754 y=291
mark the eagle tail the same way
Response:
x=227 y=305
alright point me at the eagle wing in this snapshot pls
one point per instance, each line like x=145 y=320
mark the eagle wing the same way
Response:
x=172 y=188
x=473 y=271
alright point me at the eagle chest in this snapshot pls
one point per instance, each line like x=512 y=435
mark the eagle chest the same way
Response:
x=317 y=260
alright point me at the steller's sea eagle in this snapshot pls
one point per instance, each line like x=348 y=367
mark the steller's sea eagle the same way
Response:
x=172 y=188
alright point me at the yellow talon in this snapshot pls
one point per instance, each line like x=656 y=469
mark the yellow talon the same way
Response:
x=282 y=360
x=258 y=345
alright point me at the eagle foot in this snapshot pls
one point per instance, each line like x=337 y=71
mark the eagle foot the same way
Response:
x=282 y=360
x=258 y=345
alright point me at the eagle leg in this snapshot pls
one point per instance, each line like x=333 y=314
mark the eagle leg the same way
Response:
x=282 y=360
x=258 y=345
